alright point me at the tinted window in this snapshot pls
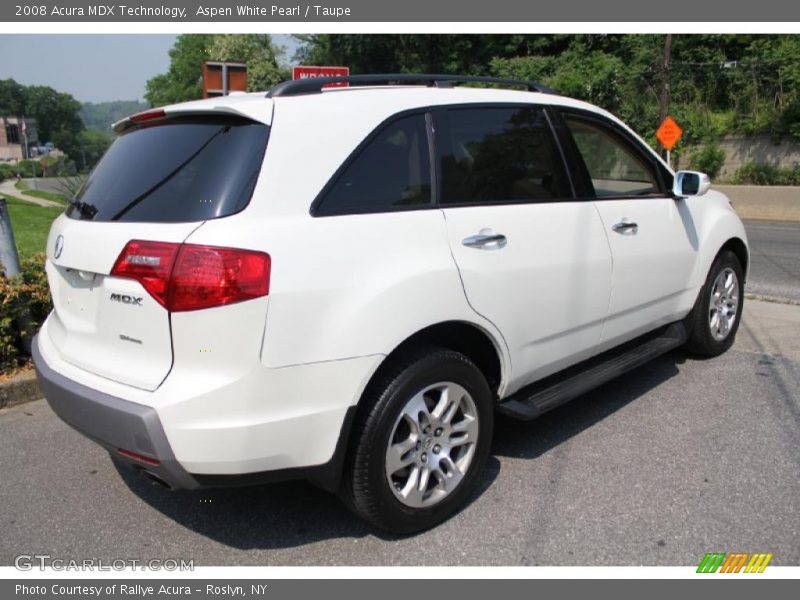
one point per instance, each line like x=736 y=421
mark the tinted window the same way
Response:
x=391 y=171
x=175 y=171
x=615 y=167
x=501 y=155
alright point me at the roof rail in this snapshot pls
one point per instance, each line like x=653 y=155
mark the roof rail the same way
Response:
x=314 y=85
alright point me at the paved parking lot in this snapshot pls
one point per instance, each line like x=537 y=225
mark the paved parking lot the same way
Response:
x=677 y=458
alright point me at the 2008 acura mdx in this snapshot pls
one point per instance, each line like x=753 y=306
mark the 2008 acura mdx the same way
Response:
x=344 y=284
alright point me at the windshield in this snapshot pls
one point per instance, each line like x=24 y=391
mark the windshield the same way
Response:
x=180 y=170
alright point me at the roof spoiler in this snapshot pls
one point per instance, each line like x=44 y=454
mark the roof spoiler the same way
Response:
x=157 y=114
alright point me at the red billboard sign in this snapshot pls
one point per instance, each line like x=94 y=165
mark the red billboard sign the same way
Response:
x=309 y=72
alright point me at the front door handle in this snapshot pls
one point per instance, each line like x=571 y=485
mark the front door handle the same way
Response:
x=485 y=239
x=626 y=227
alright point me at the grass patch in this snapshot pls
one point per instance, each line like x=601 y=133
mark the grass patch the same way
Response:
x=23 y=187
x=52 y=196
x=31 y=224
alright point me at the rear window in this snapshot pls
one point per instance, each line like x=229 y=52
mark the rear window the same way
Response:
x=180 y=170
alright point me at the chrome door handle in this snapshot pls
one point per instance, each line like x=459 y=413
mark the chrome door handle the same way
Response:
x=486 y=239
x=626 y=227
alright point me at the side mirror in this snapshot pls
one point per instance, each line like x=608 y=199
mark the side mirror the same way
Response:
x=690 y=183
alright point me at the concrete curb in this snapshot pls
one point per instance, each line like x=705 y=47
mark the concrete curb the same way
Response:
x=19 y=390
x=767 y=202
x=771 y=299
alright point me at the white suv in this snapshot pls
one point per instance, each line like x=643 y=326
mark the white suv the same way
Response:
x=344 y=283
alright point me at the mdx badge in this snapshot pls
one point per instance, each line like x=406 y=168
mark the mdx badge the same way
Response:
x=125 y=299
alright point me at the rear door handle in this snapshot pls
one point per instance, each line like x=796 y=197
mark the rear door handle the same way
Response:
x=626 y=227
x=486 y=239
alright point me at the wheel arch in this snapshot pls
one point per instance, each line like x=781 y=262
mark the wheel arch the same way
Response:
x=718 y=228
x=739 y=248
x=469 y=339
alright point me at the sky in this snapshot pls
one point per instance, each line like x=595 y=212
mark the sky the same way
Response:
x=93 y=68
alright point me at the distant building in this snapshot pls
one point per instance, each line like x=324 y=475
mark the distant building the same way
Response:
x=17 y=139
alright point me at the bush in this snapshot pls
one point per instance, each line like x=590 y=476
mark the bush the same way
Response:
x=708 y=159
x=26 y=168
x=764 y=174
x=7 y=172
x=29 y=293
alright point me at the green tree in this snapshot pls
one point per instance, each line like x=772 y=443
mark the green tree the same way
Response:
x=56 y=113
x=57 y=118
x=12 y=98
x=720 y=84
x=415 y=53
x=183 y=80
x=258 y=52
x=93 y=144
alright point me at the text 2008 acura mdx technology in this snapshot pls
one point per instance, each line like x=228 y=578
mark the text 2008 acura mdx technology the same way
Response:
x=344 y=284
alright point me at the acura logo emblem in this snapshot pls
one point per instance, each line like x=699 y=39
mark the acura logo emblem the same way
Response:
x=59 y=246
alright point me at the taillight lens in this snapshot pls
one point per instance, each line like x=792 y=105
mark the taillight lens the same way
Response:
x=185 y=277
x=206 y=276
x=150 y=263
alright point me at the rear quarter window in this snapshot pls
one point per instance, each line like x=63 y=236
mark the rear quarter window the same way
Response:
x=179 y=170
x=391 y=171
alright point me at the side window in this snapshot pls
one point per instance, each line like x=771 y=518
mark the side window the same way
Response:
x=391 y=171
x=615 y=168
x=501 y=155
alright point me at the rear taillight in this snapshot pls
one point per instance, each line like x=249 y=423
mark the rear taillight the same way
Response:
x=207 y=276
x=185 y=277
x=150 y=263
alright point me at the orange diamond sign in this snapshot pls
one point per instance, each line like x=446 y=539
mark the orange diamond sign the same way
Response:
x=669 y=133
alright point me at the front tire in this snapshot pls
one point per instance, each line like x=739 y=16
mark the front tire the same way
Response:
x=418 y=450
x=718 y=310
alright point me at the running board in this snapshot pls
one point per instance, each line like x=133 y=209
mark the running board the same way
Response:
x=542 y=396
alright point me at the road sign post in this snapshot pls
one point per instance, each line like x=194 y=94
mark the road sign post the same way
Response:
x=668 y=134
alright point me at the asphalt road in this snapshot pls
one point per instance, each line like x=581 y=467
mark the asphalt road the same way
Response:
x=677 y=458
x=775 y=256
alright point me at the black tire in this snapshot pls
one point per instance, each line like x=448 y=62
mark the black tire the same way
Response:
x=365 y=484
x=701 y=340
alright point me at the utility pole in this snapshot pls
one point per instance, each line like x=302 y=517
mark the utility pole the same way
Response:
x=663 y=101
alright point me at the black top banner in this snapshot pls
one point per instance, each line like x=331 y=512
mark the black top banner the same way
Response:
x=472 y=11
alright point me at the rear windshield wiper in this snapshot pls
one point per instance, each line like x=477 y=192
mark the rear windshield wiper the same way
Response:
x=86 y=210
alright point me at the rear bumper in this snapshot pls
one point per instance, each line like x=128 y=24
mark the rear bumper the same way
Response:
x=112 y=422
x=274 y=446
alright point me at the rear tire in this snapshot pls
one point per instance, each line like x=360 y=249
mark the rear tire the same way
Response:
x=418 y=448
x=718 y=309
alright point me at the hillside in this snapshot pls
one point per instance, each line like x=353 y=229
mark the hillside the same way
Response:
x=101 y=115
